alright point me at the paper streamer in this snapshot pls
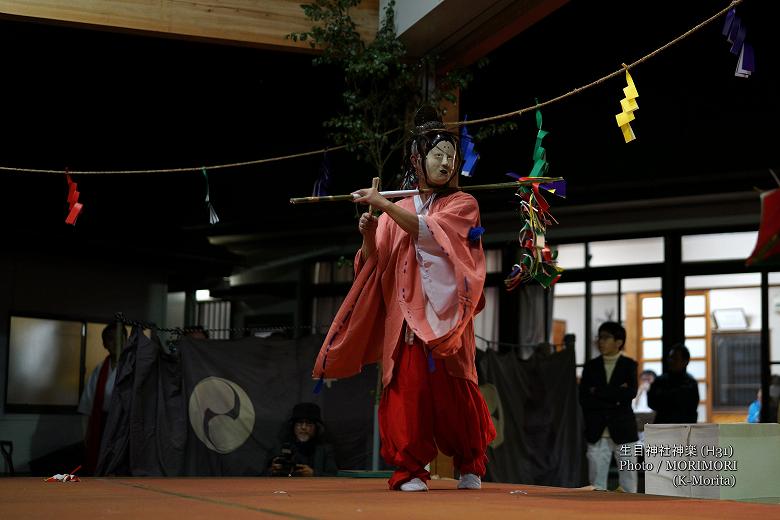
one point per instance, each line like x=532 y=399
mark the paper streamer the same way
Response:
x=65 y=477
x=538 y=261
x=540 y=154
x=322 y=184
x=735 y=34
x=470 y=156
x=627 y=107
x=213 y=218
x=74 y=206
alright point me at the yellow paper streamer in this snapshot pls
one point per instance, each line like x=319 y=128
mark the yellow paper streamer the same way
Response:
x=627 y=105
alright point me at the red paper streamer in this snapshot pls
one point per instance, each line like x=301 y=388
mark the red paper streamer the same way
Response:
x=74 y=206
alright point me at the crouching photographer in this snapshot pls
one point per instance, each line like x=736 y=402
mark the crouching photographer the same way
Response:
x=302 y=450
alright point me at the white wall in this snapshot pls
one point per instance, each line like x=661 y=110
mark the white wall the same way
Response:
x=627 y=252
x=174 y=317
x=748 y=299
x=719 y=246
x=774 y=327
x=486 y=322
x=408 y=12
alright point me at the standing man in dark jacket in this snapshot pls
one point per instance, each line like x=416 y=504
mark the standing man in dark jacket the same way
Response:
x=675 y=394
x=607 y=387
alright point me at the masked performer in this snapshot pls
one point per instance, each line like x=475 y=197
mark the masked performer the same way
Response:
x=418 y=285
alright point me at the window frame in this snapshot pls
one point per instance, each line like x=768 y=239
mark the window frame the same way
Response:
x=42 y=408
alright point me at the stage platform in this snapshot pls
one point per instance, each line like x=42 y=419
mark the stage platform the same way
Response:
x=339 y=498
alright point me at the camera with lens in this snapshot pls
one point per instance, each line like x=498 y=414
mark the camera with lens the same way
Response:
x=285 y=462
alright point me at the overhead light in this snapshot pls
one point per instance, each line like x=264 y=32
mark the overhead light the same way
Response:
x=202 y=295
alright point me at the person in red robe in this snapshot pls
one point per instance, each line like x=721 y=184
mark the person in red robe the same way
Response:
x=419 y=279
x=96 y=399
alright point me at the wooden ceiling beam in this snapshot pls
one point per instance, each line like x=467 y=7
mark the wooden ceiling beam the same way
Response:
x=462 y=31
x=244 y=22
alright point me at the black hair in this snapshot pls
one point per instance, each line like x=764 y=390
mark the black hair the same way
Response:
x=427 y=133
x=648 y=373
x=109 y=333
x=616 y=329
x=679 y=347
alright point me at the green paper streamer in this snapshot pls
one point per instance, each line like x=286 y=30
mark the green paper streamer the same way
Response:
x=540 y=154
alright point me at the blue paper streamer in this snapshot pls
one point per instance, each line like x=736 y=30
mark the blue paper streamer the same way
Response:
x=319 y=385
x=475 y=233
x=470 y=156
x=735 y=33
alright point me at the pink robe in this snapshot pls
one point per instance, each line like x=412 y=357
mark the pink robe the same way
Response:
x=388 y=291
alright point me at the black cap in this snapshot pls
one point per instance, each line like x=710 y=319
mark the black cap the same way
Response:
x=308 y=411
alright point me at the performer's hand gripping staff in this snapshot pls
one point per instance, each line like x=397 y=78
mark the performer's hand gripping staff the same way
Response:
x=407 y=220
x=368 y=221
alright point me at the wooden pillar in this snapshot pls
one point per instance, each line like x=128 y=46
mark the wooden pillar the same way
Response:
x=673 y=293
x=632 y=324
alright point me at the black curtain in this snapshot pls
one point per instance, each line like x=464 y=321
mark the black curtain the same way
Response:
x=146 y=430
x=534 y=406
x=216 y=407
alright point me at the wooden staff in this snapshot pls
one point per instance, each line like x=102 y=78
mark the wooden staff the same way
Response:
x=523 y=181
x=374 y=184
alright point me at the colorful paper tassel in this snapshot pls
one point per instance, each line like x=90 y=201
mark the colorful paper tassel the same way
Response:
x=538 y=261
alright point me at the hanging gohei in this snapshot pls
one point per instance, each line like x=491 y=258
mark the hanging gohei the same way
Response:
x=735 y=33
x=538 y=261
x=74 y=206
x=628 y=106
x=322 y=184
x=213 y=218
x=470 y=155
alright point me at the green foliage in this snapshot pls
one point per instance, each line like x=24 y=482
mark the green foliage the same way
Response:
x=493 y=129
x=382 y=87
